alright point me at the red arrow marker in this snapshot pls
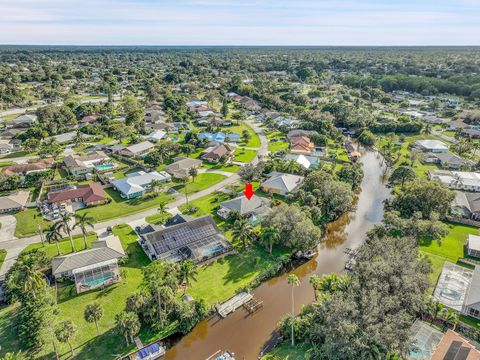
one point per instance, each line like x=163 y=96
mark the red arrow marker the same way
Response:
x=248 y=191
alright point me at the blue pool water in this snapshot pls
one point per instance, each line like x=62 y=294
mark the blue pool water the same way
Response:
x=175 y=139
x=97 y=280
x=104 y=167
x=212 y=250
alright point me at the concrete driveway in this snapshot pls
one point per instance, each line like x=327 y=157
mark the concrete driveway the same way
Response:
x=9 y=222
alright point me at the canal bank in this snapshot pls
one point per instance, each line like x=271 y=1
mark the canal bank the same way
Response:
x=248 y=334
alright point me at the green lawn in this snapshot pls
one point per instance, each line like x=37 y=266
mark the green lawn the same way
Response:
x=244 y=155
x=451 y=248
x=16 y=154
x=3 y=254
x=285 y=351
x=27 y=222
x=121 y=207
x=280 y=143
x=64 y=244
x=227 y=167
x=201 y=182
x=158 y=218
x=254 y=141
x=223 y=278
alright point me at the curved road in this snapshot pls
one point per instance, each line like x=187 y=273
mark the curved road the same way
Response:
x=15 y=246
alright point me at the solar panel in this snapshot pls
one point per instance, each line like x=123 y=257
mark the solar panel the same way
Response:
x=462 y=354
x=452 y=350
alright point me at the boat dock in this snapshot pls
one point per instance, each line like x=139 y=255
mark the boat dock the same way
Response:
x=253 y=305
x=233 y=304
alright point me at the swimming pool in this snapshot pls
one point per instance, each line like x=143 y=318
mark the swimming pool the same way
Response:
x=450 y=294
x=104 y=167
x=213 y=249
x=97 y=280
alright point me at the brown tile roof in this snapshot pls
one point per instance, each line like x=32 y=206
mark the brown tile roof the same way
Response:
x=88 y=193
x=18 y=169
x=455 y=345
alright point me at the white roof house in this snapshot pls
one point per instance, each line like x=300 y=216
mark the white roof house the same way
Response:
x=27 y=119
x=282 y=183
x=157 y=136
x=457 y=180
x=473 y=245
x=136 y=184
x=431 y=145
x=138 y=149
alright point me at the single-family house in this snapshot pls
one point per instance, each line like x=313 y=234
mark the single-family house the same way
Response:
x=471 y=305
x=138 y=183
x=282 y=183
x=457 y=180
x=473 y=133
x=26 y=120
x=156 y=136
x=137 y=150
x=154 y=115
x=91 y=194
x=84 y=164
x=88 y=120
x=301 y=145
x=5 y=148
x=167 y=127
x=250 y=104
x=254 y=209
x=448 y=160
x=466 y=205
x=432 y=146
x=24 y=169
x=473 y=246
x=93 y=268
x=308 y=162
x=181 y=166
x=215 y=153
x=452 y=346
x=198 y=240
x=14 y=202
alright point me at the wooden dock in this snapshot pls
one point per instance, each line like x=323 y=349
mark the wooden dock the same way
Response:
x=233 y=304
x=253 y=305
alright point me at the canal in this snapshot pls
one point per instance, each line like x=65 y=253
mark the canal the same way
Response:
x=247 y=335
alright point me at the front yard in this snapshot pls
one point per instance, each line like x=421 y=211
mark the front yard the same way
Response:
x=201 y=182
x=244 y=155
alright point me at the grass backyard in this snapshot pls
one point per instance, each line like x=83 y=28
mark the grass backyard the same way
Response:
x=254 y=141
x=285 y=351
x=219 y=167
x=244 y=155
x=451 y=248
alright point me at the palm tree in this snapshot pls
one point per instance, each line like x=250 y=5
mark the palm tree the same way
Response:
x=83 y=221
x=270 y=235
x=93 y=313
x=128 y=324
x=53 y=235
x=64 y=225
x=65 y=332
x=433 y=308
x=293 y=281
x=330 y=283
x=449 y=316
x=188 y=271
x=242 y=230
x=185 y=182
x=193 y=172
x=314 y=280
x=161 y=208
x=155 y=185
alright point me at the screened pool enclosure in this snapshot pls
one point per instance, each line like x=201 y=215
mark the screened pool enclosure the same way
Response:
x=96 y=276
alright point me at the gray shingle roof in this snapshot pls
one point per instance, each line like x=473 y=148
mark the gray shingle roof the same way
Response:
x=245 y=206
x=473 y=294
x=67 y=263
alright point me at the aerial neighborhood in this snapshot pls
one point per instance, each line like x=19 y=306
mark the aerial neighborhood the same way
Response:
x=155 y=201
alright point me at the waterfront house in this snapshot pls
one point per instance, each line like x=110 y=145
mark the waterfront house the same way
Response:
x=282 y=183
x=254 y=209
x=93 y=268
x=198 y=240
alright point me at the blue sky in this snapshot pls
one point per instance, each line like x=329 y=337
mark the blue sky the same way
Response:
x=240 y=22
